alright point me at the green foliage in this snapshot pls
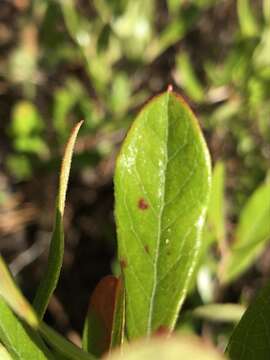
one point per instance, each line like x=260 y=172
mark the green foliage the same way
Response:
x=18 y=338
x=216 y=208
x=100 y=61
x=248 y=23
x=188 y=79
x=250 y=338
x=20 y=306
x=14 y=298
x=117 y=48
x=172 y=138
x=220 y=312
x=251 y=235
x=49 y=282
x=161 y=189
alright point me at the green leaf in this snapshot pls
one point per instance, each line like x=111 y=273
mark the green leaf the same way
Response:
x=120 y=94
x=172 y=33
x=216 y=208
x=174 y=348
x=220 y=312
x=64 y=101
x=162 y=182
x=63 y=346
x=17 y=302
x=13 y=296
x=21 y=341
x=247 y=20
x=104 y=326
x=174 y=6
x=251 y=236
x=26 y=120
x=49 y=282
x=250 y=339
x=188 y=78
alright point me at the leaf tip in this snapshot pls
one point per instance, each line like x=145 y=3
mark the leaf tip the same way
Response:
x=65 y=167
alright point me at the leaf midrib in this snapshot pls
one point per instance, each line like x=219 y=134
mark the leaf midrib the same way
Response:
x=155 y=280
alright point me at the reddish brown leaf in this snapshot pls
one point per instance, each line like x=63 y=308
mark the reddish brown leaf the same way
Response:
x=105 y=303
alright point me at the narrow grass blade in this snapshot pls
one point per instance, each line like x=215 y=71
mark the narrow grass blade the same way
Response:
x=16 y=301
x=13 y=296
x=22 y=342
x=49 y=282
x=63 y=346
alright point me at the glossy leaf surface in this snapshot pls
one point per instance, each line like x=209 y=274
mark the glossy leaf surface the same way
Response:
x=174 y=348
x=50 y=279
x=162 y=184
x=250 y=339
x=104 y=325
x=252 y=234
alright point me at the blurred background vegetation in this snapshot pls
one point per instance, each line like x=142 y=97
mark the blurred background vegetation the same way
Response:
x=101 y=60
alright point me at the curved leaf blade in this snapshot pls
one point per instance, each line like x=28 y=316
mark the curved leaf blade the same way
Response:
x=12 y=295
x=50 y=279
x=104 y=325
x=252 y=234
x=162 y=182
x=250 y=338
x=63 y=346
x=17 y=302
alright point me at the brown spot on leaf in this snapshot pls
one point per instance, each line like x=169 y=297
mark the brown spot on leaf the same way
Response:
x=162 y=331
x=142 y=204
x=146 y=248
x=123 y=263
